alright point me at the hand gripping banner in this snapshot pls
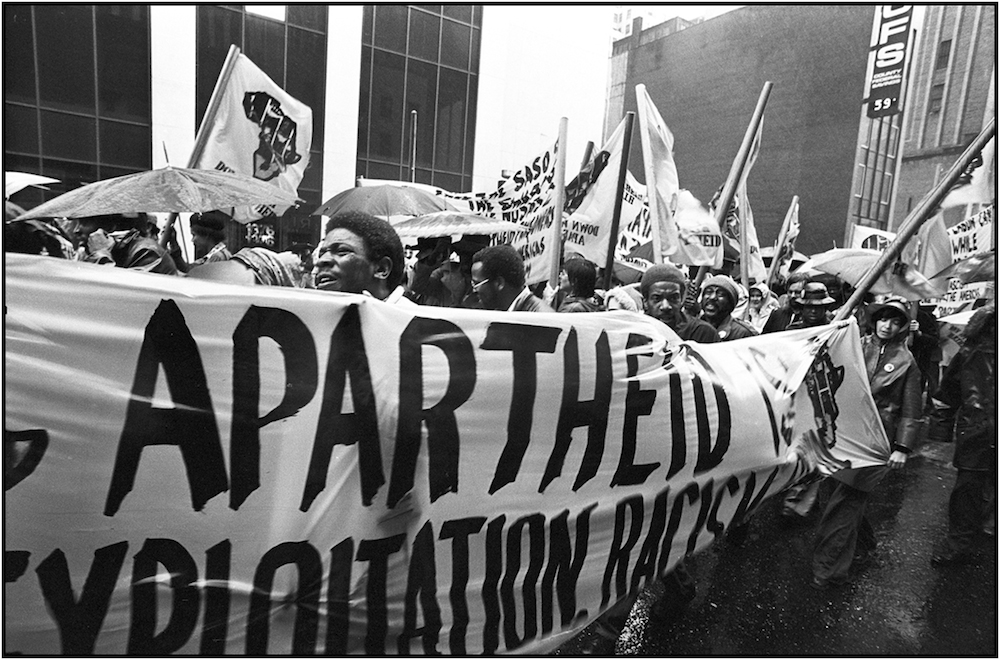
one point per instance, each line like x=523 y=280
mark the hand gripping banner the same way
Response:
x=204 y=468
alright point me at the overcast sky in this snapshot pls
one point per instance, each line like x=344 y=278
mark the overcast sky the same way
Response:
x=691 y=12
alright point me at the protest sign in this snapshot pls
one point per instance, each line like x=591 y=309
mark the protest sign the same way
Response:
x=972 y=236
x=527 y=198
x=588 y=228
x=196 y=467
x=261 y=131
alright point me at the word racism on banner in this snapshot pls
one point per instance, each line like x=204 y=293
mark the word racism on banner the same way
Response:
x=887 y=59
x=195 y=467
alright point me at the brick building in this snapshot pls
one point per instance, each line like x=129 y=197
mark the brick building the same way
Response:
x=954 y=68
x=705 y=81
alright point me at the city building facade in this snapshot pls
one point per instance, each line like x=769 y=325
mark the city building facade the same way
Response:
x=706 y=78
x=951 y=96
x=96 y=91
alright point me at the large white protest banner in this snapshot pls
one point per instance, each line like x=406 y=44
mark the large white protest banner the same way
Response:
x=261 y=131
x=204 y=468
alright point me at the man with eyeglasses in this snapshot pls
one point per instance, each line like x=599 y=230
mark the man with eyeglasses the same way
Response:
x=498 y=281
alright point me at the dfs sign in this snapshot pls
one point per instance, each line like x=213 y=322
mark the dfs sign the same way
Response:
x=887 y=59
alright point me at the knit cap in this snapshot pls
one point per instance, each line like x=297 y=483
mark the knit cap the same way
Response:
x=726 y=284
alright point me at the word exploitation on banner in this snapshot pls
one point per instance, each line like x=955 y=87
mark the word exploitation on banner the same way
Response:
x=207 y=468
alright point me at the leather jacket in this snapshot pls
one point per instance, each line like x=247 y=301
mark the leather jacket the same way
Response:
x=133 y=250
x=895 y=383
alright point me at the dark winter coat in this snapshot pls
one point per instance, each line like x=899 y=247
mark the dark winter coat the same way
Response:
x=966 y=401
x=894 y=379
x=574 y=304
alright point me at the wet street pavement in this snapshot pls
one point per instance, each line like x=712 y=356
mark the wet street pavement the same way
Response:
x=755 y=598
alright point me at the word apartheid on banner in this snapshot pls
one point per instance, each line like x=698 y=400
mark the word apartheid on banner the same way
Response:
x=204 y=468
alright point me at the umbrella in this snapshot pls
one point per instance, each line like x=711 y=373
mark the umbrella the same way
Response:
x=16 y=181
x=166 y=190
x=11 y=210
x=384 y=201
x=977 y=268
x=852 y=264
x=450 y=223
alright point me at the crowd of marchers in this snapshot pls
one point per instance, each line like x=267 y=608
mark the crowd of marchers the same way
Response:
x=362 y=254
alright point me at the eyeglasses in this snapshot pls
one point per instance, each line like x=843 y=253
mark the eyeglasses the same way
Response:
x=476 y=285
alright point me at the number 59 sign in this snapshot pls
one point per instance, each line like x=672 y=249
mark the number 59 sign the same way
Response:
x=887 y=59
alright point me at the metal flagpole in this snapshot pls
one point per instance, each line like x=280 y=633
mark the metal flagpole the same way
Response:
x=773 y=270
x=413 y=146
x=736 y=171
x=649 y=168
x=557 y=205
x=917 y=217
x=609 y=263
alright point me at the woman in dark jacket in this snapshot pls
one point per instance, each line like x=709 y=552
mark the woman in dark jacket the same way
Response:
x=578 y=279
x=894 y=379
x=966 y=400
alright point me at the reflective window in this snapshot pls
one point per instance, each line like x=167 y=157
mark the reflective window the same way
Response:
x=66 y=56
x=387 y=106
x=90 y=118
x=442 y=49
x=125 y=144
x=455 y=39
x=305 y=75
x=19 y=62
x=425 y=33
x=390 y=27
x=943 y=55
x=421 y=95
x=265 y=46
x=293 y=54
x=450 y=147
x=459 y=12
x=218 y=28
x=313 y=17
x=123 y=92
x=69 y=136
x=20 y=129
x=363 y=105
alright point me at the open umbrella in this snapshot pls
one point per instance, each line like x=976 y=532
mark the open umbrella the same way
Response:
x=394 y=203
x=11 y=210
x=851 y=264
x=977 y=268
x=450 y=223
x=166 y=190
x=17 y=181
